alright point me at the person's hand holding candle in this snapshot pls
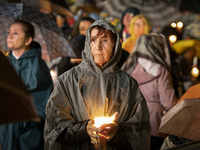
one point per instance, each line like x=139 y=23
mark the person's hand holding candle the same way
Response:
x=109 y=130
x=106 y=129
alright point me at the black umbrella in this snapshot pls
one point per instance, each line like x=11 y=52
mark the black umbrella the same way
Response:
x=16 y=103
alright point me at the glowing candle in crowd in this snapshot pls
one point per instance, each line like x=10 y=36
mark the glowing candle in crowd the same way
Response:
x=173 y=25
x=98 y=121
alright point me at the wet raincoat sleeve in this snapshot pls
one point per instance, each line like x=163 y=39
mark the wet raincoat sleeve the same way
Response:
x=59 y=115
x=136 y=130
x=76 y=133
x=62 y=125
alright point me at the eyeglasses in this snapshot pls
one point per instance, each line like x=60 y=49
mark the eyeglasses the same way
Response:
x=138 y=24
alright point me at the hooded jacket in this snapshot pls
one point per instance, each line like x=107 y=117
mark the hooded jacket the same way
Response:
x=149 y=63
x=36 y=77
x=35 y=74
x=86 y=92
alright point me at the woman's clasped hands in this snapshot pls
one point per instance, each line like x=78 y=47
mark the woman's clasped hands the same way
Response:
x=106 y=131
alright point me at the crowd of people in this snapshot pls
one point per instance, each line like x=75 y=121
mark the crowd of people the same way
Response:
x=128 y=74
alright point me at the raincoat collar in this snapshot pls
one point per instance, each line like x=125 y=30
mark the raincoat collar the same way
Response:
x=111 y=65
x=36 y=51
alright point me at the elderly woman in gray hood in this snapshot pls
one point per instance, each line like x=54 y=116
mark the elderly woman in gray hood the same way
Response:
x=97 y=87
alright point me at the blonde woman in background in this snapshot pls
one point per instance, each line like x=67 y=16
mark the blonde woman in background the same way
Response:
x=138 y=26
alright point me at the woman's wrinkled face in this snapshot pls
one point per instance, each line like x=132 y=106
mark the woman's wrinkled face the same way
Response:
x=139 y=27
x=16 y=37
x=102 y=47
x=83 y=26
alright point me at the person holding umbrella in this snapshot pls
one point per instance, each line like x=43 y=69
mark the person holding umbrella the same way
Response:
x=94 y=88
x=25 y=57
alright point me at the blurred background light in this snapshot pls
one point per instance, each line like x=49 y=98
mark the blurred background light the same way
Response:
x=173 y=25
x=195 y=72
x=179 y=25
x=172 y=38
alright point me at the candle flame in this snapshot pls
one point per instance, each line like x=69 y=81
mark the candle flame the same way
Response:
x=98 y=121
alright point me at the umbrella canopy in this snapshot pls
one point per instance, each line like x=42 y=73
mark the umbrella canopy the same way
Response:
x=193 y=29
x=159 y=13
x=191 y=93
x=48 y=34
x=184 y=118
x=16 y=103
x=182 y=45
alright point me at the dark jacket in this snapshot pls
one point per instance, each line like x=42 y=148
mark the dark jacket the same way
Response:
x=85 y=92
x=36 y=76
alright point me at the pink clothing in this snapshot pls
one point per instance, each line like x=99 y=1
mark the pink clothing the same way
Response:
x=159 y=93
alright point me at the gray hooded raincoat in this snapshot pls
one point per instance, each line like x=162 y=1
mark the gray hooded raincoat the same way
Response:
x=85 y=92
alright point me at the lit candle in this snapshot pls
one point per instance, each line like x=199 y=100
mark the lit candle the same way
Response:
x=98 y=121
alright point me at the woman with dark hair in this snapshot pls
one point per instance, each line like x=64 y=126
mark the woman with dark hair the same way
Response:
x=127 y=15
x=25 y=56
x=77 y=43
x=66 y=63
x=81 y=26
x=149 y=63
